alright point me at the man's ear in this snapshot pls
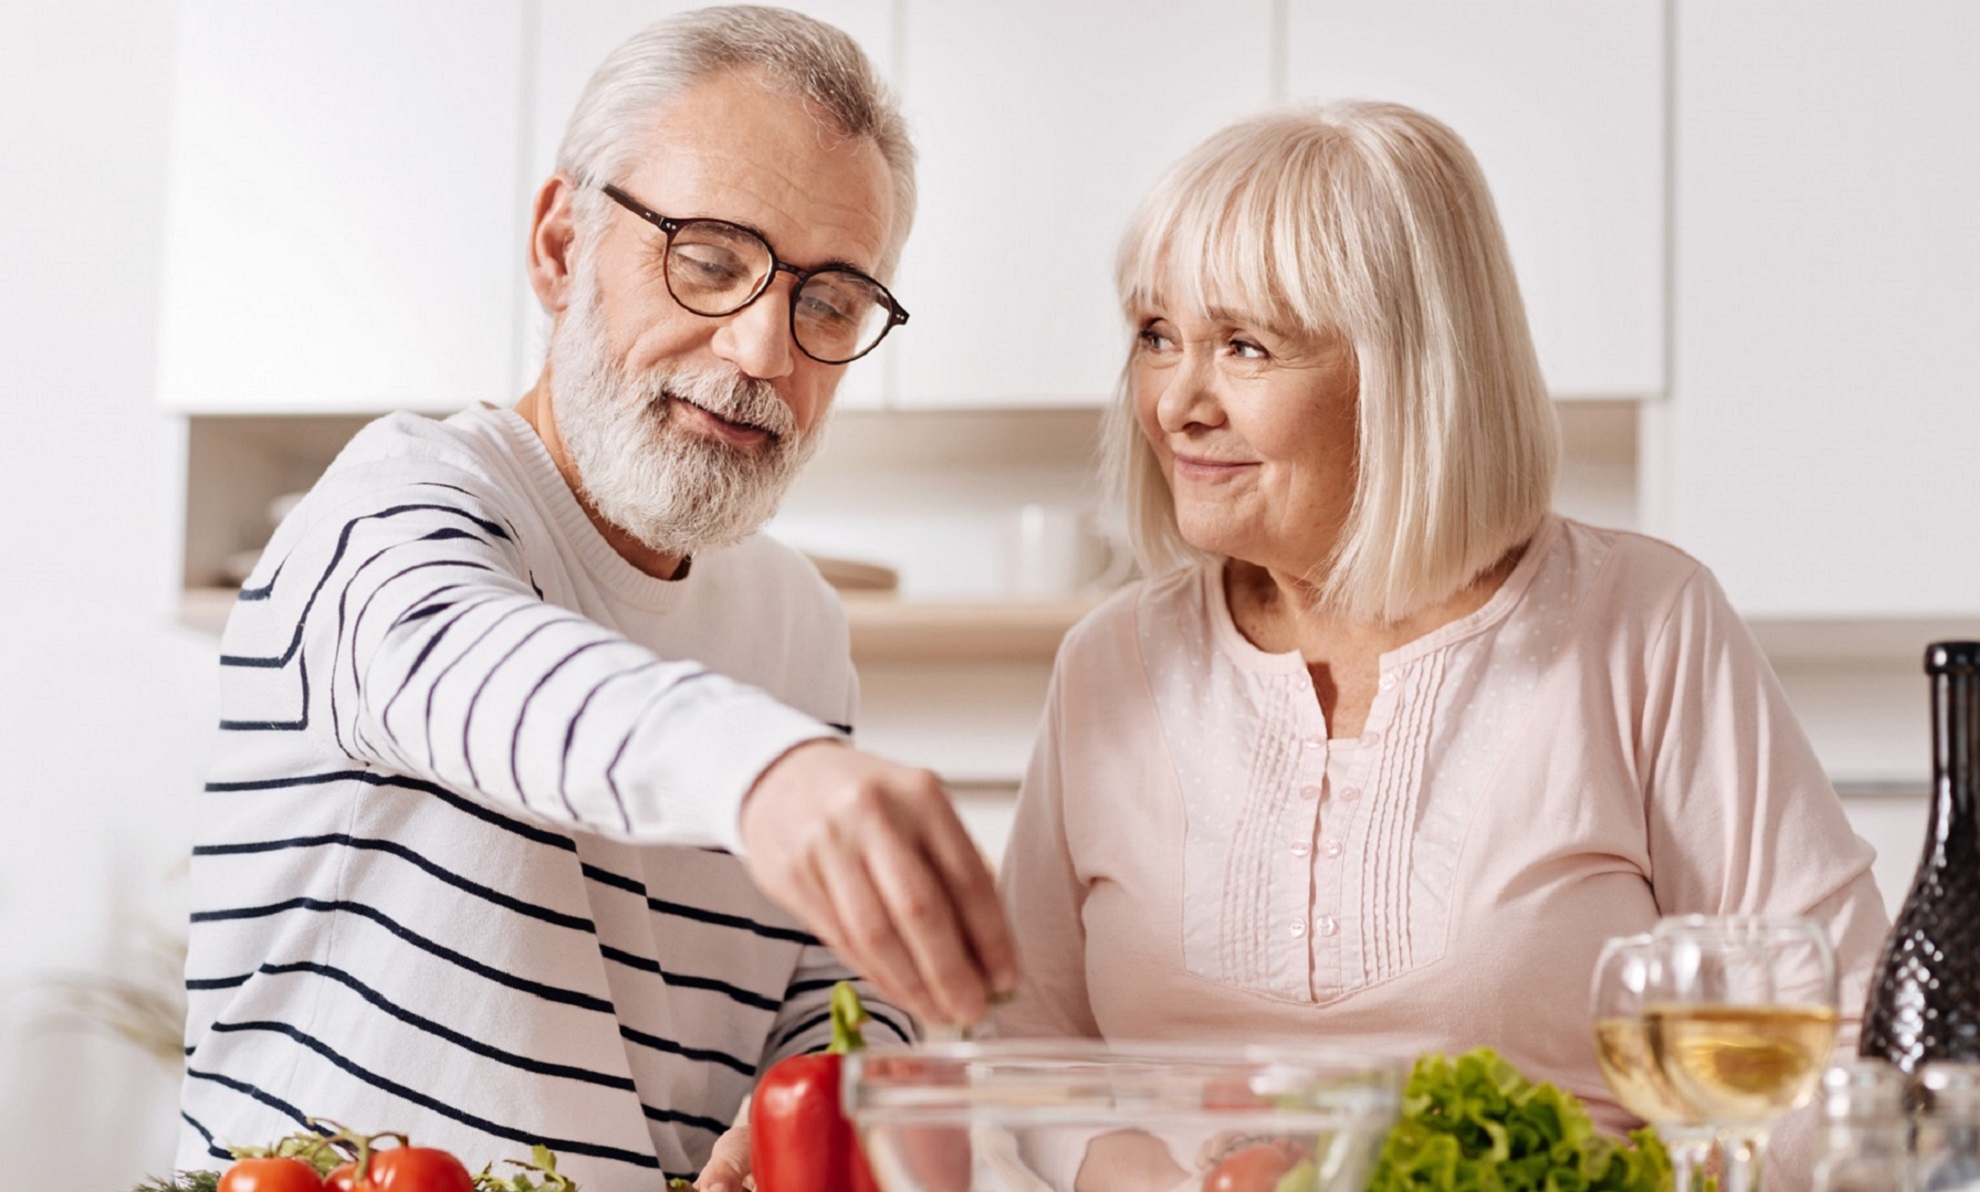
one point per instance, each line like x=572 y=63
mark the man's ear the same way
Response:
x=552 y=238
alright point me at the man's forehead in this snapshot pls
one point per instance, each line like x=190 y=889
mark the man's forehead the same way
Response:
x=735 y=148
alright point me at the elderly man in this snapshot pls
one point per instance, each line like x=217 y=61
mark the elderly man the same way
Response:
x=512 y=693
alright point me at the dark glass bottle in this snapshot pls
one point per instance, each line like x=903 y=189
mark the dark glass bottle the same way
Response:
x=1925 y=1001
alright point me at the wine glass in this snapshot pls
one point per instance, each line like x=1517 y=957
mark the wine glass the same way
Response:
x=1743 y=1022
x=1628 y=973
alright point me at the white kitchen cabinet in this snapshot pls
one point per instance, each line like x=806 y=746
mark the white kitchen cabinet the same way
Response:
x=571 y=37
x=1041 y=124
x=1563 y=103
x=342 y=229
x=1824 y=412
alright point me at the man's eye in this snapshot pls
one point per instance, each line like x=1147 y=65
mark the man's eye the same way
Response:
x=710 y=266
x=827 y=309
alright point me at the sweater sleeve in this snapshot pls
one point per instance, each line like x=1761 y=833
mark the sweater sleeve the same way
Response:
x=1043 y=894
x=403 y=628
x=1742 y=817
x=804 y=1021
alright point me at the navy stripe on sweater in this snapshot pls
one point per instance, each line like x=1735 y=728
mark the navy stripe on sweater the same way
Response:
x=549 y=993
x=563 y=1146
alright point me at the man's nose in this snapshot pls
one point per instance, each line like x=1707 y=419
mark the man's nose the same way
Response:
x=757 y=338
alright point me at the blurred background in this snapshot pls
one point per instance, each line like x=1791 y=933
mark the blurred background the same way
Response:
x=236 y=230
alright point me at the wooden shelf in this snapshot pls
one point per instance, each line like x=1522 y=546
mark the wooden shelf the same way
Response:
x=884 y=629
x=890 y=630
x=1893 y=641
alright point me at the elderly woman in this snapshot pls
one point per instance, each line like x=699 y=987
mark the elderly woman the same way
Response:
x=1385 y=748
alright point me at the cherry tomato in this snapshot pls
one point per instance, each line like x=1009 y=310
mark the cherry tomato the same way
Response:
x=1255 y=1168
x=342 y=1178
x=415 y=1169
x=271 y=1174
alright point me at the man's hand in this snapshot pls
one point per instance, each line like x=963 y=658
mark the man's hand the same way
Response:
x=728 y=1163
x=870 y=856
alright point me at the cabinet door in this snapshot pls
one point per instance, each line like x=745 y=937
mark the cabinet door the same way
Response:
x=1562 y=101
x=570 y=39
x=1824 y=413
x=342 y=230
x=1041 y=124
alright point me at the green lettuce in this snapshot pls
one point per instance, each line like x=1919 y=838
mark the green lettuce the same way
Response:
x=1474 y=1124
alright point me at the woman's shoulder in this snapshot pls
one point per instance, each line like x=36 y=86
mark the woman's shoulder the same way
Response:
x=1629 y=562
x=1112 y=629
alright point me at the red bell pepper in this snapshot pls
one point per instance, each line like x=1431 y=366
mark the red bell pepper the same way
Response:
x=799 y=1138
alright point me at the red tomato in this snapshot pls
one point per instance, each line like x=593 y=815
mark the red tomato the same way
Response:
x=271 y=1175
x=415 y=1169
x=342 y=1178
x=1255 y=1168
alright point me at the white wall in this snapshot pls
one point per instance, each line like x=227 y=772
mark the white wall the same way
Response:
x=104 y=709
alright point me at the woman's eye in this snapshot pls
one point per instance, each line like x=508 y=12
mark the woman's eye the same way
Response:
x=1244 y=349
x=1154 y=339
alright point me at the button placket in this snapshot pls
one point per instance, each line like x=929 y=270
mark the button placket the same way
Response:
x=1304 y=823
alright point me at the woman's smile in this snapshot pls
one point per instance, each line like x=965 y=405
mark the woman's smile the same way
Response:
x=1203 y=469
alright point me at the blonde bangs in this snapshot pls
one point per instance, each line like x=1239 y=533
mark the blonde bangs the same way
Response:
x=1230 y=230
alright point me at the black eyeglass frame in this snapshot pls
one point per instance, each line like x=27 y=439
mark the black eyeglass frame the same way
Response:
x=669 y=226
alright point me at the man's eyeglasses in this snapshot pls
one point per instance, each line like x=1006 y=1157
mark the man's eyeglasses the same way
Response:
x=716 y=268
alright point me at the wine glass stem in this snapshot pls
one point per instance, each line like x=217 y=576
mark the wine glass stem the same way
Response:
x=1746 y=1153
x=1690 y=1148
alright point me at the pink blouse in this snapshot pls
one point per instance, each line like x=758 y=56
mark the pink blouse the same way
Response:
x=1602 y=743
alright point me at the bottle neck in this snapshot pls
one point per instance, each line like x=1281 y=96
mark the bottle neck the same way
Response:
x=1955 y=829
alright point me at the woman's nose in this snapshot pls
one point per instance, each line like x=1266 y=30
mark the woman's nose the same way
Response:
x=1188 y=397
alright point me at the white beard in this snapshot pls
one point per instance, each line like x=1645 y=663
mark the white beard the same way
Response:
x=676 y=492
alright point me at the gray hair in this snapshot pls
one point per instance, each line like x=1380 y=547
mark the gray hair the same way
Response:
x=812 y=60
x=1371 y=221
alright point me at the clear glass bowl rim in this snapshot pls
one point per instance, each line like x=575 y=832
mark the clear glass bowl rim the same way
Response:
x=1356 y=1082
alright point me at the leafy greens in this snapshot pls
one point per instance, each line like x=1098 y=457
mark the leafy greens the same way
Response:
x=1474 y=1124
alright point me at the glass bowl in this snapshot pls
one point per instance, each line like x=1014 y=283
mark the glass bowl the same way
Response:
x=1018 y=1115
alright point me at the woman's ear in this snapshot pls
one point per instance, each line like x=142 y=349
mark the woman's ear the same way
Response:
x=552 y=237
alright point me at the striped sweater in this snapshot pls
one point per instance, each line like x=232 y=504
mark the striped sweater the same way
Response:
x=465 y=867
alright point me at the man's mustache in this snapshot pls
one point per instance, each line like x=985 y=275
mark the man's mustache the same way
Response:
x=748 y=401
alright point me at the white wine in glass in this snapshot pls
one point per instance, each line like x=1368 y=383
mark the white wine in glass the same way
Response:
x=1744 y=1022
x=1626 y=974
x=1622 y=1050
x=1743 y=1063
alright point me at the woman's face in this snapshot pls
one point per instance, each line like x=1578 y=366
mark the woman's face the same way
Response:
x=1254 y=429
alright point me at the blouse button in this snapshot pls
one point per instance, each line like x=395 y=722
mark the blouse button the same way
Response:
x=1327 y=926
x=1298 y=929
x=1350 y=794
x=1387 y=682
x=1314 y=742
x=1309 y=792
x=1301 y=848
x=1370 y=738
x=1333 y=848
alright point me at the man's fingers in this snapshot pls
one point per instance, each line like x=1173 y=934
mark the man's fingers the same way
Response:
x=963 y=871
x=871 y=856
x=728 y=1163
x=926 y=921
x=795 y=885
x=869 y=940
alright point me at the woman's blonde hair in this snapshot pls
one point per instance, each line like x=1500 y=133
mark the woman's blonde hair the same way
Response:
x=1371 y=221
